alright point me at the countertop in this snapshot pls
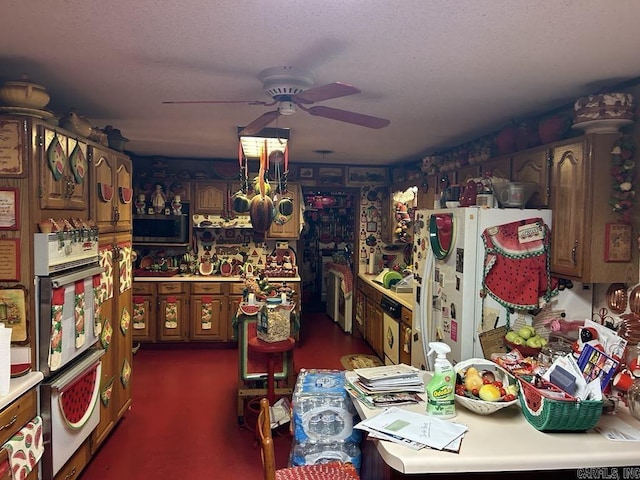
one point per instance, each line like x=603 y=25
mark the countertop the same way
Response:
x=208 y=278
x=405 y=299
x=504 y=441
x=20 y=385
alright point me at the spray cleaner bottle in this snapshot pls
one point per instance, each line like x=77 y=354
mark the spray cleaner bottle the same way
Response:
x=441 y=388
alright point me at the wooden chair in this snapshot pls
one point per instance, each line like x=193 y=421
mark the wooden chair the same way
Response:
x=326 y=471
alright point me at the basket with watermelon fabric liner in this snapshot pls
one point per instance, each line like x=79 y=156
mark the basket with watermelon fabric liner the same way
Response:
x=550 y=415
x=78 y=399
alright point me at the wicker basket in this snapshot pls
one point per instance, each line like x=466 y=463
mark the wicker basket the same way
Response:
x=550 y=415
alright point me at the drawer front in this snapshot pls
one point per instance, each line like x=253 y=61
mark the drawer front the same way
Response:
x=206 y=287
x=142 y=288
x=236 y=288
x=16 y=415
x=171 y=287
x=72 y=469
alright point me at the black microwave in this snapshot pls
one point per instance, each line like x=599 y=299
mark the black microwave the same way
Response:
x=161 y=229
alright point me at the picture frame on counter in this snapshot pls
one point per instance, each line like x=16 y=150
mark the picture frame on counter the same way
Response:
x=13 y=312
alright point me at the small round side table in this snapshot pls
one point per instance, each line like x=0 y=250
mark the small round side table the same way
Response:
x=271 y=349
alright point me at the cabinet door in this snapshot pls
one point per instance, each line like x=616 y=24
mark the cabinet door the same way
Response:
x=464 y=174
x=124 y=194
x=122 y=330
x=144 y=328
x=61 y=188
x=291 y=229
x=172 y=317
x=375 y=328
x=103 y=188
x=533 y=166
x=428 y=192
x=567 y=203
x=209 y=197
x=497 y=167
x=208 y=317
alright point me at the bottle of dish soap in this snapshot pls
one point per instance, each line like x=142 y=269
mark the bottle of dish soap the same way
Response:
x=441 y=388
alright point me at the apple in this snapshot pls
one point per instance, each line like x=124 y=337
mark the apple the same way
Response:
x=489 y=393
x=533 y=342
x=519 y=340
x=526 y=332
x=511 y=336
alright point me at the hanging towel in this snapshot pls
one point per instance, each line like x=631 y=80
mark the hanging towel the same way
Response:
x=57 y=307
x=25 y=449
x=516 y=264
x=97 y=302
x=78 y=312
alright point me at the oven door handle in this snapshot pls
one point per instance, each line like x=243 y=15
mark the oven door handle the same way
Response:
x=91 y=360
x=61 y=280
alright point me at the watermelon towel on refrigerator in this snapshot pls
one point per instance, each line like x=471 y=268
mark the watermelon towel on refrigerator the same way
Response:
x=25 y=449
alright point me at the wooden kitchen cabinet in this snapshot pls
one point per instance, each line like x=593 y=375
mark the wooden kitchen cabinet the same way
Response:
x=16 y=415
x=143 y=321
x=291 y=229
x=369 y=316
x=580 y=192
x=209 y=197
x=533 y=165
x=115 y=316
x=61 y=186
x=466 y=173
x=76 y=464
x=209 y=311
x=406 y=326
x=173 y=311
x=111 y=191
x=497 y=167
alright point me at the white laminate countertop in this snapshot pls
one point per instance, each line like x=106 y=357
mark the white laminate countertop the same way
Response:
x=406 y=299
x=209 y=278
x=20 y=385
x=505 y=441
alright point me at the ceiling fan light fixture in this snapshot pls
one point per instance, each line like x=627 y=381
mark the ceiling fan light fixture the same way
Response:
x=252 y=145
x=287 y=108
x=285 y=81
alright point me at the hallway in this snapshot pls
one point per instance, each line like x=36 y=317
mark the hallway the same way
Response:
x=183 y=422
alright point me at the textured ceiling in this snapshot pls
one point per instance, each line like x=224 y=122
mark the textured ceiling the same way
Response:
x=443 y=72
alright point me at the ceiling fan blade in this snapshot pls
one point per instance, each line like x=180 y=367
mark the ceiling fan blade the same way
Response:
x=260 y=122
x=325 y=92
x=248 y=102
x=347 y=116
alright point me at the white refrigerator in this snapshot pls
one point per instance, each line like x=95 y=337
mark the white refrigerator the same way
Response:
x=451 y=300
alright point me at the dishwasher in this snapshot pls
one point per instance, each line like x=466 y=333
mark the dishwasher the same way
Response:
x=391 y=312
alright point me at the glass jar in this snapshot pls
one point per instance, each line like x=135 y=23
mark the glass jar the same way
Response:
x=553 y=350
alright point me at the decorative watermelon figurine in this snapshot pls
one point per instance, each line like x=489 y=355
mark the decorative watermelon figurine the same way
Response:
x=106 y=191
x=78 y=400
x=126 y=194
x=249 y=309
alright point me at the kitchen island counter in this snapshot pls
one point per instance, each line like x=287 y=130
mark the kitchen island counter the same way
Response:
x=503 y=441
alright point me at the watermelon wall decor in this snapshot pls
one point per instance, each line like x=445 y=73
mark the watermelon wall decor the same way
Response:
x=78 y=399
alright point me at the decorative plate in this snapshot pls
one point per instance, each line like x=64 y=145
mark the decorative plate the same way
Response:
x=56 y=158
x=78 y=163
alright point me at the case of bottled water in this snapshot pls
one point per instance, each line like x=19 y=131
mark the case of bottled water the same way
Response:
x=319 y=453
x=322 y=409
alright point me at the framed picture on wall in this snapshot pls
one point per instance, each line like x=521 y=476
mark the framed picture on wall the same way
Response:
x=330 y=175
x=9 y=208
x=305 y=172
x=366 y=175
x=618 y=242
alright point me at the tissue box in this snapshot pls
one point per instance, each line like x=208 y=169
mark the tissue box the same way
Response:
x=274 y=323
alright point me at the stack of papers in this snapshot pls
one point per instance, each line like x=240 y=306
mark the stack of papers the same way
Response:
x=414 y=430
x=385 y=386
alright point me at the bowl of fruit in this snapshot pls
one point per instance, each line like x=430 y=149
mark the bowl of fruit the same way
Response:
x=525 y=339
x=484 y=387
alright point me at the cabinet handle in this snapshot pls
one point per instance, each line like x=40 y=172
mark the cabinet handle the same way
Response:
x=70 y=186
x=70 y=474
x=116 y=215
x=11 y=422
x=574 y=253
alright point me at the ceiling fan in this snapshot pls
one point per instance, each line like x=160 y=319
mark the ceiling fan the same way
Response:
x=290 y=89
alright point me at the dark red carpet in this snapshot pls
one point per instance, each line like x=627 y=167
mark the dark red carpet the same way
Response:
x=183 y=421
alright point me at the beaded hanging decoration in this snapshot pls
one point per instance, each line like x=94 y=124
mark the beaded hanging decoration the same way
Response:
x=622 y=172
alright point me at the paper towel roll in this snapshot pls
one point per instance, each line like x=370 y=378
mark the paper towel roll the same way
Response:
x=5 y=359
